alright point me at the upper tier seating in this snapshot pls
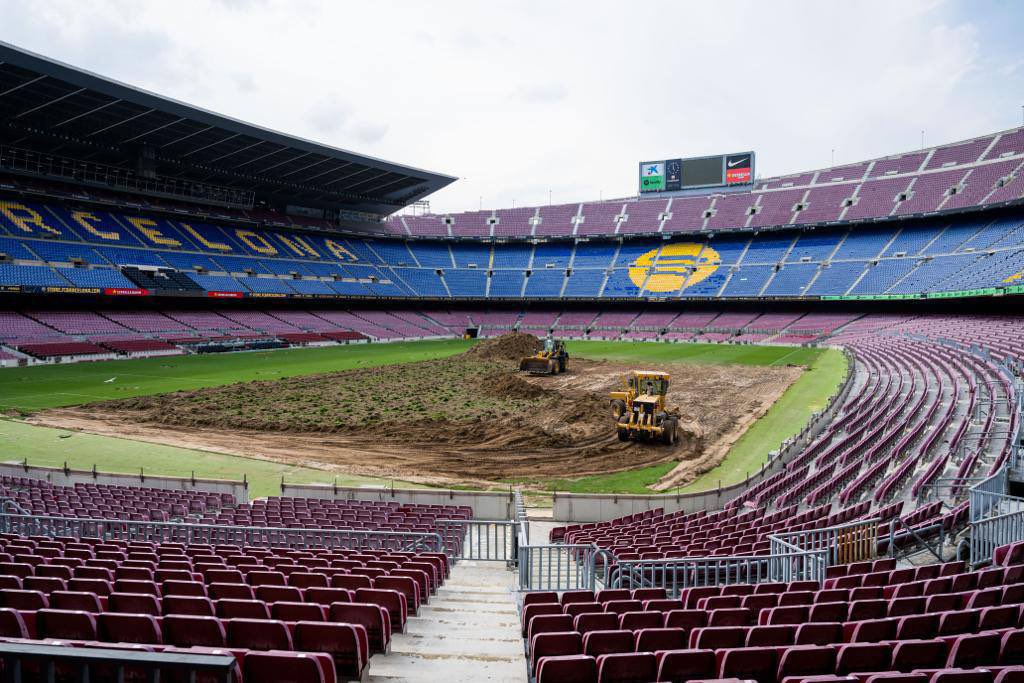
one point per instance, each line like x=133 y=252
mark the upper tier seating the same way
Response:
x=954 y=253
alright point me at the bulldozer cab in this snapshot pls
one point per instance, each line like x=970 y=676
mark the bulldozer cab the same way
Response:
x=645 y=383
x=549 y=345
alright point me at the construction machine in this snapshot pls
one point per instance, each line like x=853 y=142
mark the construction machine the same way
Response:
x=640 y=412
x=550 y=360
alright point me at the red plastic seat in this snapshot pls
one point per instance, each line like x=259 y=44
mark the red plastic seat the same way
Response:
x=188 y=604
x=548 y=623
x=271 y=594
x=188 y=631
x=819 y=633
x=567 y=669
x=328 y=596
x=807 y=660
x=187 y=588
x=856 y=657
x=65 y=624
x=12 y=625
x=718 y=637
x=392 y=601
x=597 y=643
x=129 y=628
x=777 y=635
x=231 y=591
x=24 y=600
x=974 y=650
x=908 y=655
x=283 y=667
x=297 y=611
x=372 y=617
x=748 y=663
x=655 y=639
x=634 y=621
x=632 y=667
x=595 y=621
x=346 y=643
x=75 y=600
x=554 y=644
x=242 y=609
x=679 y=666
x=133 y=603
x=258 y=634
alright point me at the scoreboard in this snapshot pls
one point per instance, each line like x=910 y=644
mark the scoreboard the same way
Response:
x=721 y=170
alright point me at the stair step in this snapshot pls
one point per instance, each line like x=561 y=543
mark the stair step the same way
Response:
x=469 y=631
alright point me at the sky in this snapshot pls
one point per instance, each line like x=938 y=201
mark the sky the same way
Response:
x=532 y=101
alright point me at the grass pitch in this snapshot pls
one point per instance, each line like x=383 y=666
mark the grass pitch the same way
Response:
x=23 y=390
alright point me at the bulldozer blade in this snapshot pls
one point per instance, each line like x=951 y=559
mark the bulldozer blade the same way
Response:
x=536 y=366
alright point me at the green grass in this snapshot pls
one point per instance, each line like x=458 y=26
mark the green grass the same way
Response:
x=713 y=354
x=809 y=393
x=52 y=386
x=47 y=447
x=630 y=481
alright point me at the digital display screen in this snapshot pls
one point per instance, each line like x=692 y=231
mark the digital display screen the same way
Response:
x=721 y=170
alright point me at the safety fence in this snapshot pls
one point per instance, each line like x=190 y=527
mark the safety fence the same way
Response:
x=476 y=539
x=563 y=567
x=676 y=574
x=851 y=542
x=207 y=534
x=44 y=662
x=794 y=556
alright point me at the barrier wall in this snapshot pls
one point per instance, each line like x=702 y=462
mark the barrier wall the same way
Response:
x=59 y=476
x=591 y=507
x=488 y=505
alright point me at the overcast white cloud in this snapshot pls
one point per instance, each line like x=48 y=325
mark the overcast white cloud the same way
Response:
x=525 y=98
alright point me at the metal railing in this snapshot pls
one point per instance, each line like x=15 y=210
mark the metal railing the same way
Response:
x=676 y=574
x=176 y=532
x=563 y=567
x=26 y=161
x=845 y=543
x=36 y=661
x=478 y=539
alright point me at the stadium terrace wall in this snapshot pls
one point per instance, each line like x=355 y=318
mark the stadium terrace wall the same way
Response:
x=59 y=476
x=486 y=504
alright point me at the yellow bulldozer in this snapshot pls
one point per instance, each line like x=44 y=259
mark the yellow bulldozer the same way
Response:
x=640 y=412
x=550 y=360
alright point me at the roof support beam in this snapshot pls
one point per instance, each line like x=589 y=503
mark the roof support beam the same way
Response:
x=121 y=122
x=23 y=85
x=282 y=163
x=153 y=130
x=240 y=149
x=47 y=104
x=212 y=144
x=86 y=113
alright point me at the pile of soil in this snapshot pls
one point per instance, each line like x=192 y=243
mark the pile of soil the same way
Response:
x=466 y=419
x=507 y=347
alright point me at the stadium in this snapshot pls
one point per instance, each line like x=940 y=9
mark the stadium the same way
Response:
x=267 y=417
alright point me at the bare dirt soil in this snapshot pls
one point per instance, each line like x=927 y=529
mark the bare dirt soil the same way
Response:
x=467 y=419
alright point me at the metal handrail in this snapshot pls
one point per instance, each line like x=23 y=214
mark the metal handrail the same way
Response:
x=180 y=532
x=13 y=656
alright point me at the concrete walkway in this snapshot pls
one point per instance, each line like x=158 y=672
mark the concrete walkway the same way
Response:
x=469 y=631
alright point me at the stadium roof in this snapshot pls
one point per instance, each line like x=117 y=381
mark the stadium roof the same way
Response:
x=51 y=107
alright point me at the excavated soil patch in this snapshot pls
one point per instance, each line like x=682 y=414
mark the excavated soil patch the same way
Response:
x=466 y=419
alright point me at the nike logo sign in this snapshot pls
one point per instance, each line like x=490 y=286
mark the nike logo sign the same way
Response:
x=736 y=163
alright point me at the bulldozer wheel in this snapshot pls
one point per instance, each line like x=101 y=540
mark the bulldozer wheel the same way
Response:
x=668 y=436
x=618 y=408
x=623 y=434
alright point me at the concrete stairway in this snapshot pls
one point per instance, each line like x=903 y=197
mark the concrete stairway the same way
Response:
x=469 y=631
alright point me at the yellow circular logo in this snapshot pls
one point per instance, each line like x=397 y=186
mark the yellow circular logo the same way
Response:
x=675 y=267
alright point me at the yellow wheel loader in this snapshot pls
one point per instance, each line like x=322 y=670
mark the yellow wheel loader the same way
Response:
x=550 y=360
x=639 y=411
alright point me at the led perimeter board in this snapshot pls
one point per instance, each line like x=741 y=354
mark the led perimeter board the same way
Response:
x=721 y=170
